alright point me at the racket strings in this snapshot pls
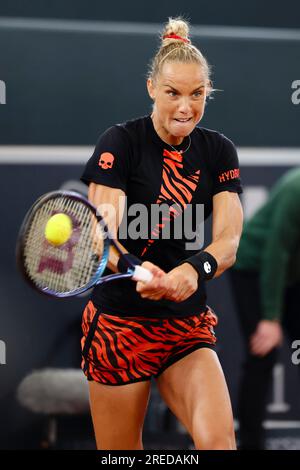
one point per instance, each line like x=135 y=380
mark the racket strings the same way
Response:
x=72 y=265
x=35 y=246
x=85 y=270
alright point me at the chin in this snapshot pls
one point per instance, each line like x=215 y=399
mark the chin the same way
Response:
x=183 y=133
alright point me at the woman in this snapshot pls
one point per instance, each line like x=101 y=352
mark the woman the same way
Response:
x=163 y=329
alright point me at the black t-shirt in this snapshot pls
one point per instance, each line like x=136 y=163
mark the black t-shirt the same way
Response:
x=132 y=157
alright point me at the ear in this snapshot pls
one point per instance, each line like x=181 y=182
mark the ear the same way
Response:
x=151 y=89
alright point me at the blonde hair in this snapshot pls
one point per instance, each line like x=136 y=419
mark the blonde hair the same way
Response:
x=178 y=49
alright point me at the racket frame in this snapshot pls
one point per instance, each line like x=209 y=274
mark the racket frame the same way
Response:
x=108 y=241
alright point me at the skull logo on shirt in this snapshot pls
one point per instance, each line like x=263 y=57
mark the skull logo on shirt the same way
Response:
x=106 y=160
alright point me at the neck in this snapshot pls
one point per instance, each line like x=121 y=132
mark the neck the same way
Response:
x=164 y=135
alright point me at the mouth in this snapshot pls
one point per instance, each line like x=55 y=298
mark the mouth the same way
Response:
x=183 y=120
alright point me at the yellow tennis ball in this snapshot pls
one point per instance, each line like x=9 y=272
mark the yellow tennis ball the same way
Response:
x=58 y=229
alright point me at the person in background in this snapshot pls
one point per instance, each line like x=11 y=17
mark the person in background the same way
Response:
x=266 y=286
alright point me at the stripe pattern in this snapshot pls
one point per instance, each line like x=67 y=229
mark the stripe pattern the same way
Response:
x=176 y=190
x=131 y=349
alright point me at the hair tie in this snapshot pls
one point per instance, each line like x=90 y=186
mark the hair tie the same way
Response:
x=174 y=36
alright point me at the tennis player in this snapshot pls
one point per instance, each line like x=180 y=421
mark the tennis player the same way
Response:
x=164 y=329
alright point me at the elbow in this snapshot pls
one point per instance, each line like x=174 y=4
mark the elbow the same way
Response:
x=233 y=251
x=231 y=261
x=227 y=252
x=226 y=263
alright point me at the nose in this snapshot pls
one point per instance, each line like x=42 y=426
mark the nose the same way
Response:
x=184 y=106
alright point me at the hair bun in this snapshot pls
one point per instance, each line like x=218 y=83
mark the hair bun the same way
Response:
x=178 y=38
x=176 y=29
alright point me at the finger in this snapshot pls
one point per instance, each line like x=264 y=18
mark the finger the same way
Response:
x=170 y=293
x=256 y=350
x=152 y=293
x=156 y=292
x=155 y=270
x=256 y=344
x=263 y=351
x=183 y=290
x=185 y=294
x=157 y=296
x=157 y=282
x=256 y=338
x=179 y=292
x=174 y=288
x=256 y=347
x=262 y=348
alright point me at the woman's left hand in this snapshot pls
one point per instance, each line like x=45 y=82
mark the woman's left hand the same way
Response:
x=182 y=282
x=177 y=285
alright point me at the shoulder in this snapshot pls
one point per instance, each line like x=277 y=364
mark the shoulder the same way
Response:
x=124 y=133
x=212 y=137
x=220 y=149
x=222 y=159
x=132 y=127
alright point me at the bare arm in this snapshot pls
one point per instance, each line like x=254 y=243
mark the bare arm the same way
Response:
x=226 y=230
x=110 y=202
x=182 y=281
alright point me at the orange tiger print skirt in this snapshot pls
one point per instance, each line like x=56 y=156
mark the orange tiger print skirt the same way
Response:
x=122 y=350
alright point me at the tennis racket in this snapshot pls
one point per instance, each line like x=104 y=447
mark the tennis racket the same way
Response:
x=76 y=265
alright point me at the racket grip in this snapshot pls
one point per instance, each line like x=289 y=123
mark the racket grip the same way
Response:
x=141 y=274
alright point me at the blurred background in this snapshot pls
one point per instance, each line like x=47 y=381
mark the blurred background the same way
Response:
x=69 y=70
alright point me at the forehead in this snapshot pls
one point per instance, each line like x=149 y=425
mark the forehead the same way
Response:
x=179 y=74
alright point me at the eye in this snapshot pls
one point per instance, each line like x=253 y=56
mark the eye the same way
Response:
x=172 y=93
x=198 y=93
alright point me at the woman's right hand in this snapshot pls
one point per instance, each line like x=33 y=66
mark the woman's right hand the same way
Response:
x=157 y=287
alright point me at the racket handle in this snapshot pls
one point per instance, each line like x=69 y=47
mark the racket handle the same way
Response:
x=142 y=274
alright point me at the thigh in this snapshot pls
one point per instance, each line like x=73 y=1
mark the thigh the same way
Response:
x=195 y=390
x=118 y=414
